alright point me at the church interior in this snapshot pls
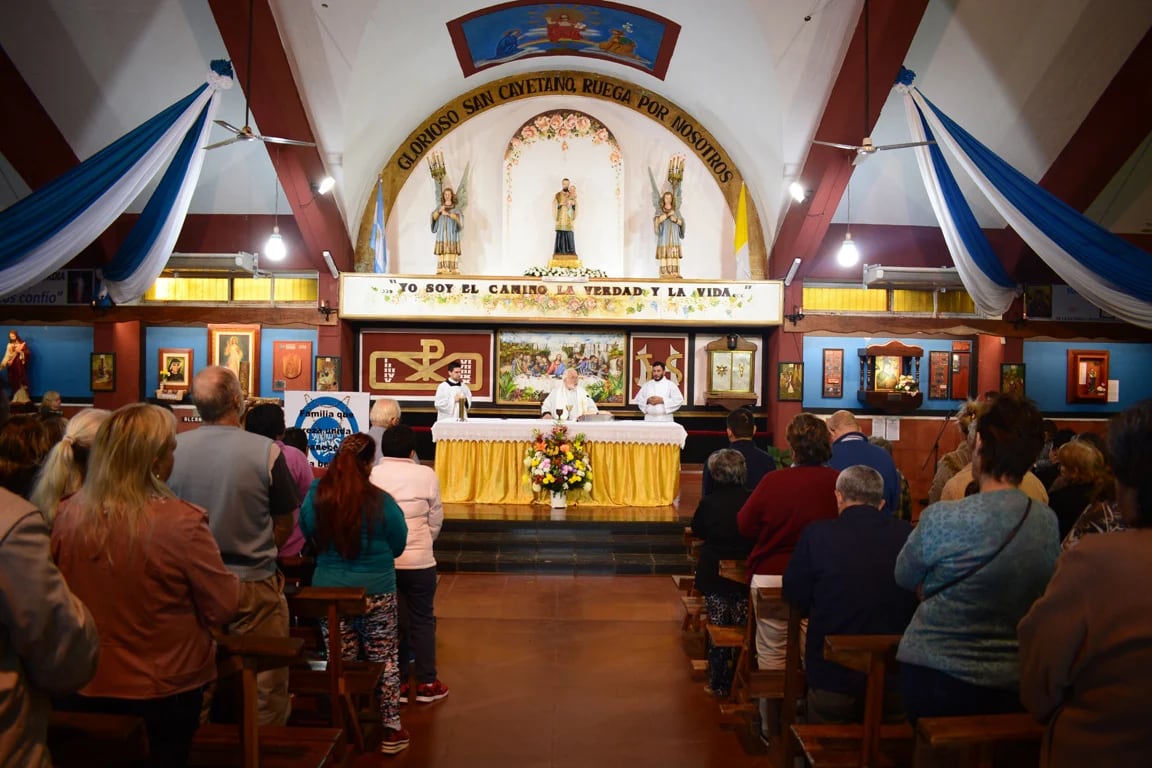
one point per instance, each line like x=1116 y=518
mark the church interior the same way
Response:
x=895 y=208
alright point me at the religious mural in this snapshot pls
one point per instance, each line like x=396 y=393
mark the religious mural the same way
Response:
x=513 y=31
x=531 y=364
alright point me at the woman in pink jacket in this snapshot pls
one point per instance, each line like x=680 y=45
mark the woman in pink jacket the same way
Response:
x=417 y=490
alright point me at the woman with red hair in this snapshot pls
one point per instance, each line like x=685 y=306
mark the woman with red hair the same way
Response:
x=359 y=530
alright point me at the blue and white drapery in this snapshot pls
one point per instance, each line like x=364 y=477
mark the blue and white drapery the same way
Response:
x=1108 y=271
x=47 y=229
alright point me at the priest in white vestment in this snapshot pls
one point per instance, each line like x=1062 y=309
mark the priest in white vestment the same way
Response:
x=659 y=398
x=451 y=393
x=569 y=401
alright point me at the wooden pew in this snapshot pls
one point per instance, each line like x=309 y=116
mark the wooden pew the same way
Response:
x=343 y=682
x=282 y=747
x=95 y=740
x=979 y=737
x=859 y=744
x=751 y=683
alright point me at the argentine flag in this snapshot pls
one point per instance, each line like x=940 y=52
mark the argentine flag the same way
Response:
x=379 y=248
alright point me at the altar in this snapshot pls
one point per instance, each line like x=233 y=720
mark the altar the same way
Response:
x=634 y=463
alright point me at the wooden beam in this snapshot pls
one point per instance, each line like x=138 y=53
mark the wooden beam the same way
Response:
x=893 y=25
x=29 y=139
x=279 y=111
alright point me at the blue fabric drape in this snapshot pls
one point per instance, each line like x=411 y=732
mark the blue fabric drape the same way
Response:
x=965 y=221
x=33 y=220
x=1127 y=268
x=148 y=227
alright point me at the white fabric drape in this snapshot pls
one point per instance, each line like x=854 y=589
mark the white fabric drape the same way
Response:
x=989 y=297
x=1078 y=277
x=153 y=263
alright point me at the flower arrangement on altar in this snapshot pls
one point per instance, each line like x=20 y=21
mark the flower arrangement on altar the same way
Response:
x=907 y=384
x=558 y=463
x=564 y=272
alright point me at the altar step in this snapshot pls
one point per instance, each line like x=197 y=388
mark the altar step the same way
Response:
x=562 y=547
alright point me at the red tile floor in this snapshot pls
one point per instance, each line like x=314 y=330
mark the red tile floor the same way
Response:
x=565 y=672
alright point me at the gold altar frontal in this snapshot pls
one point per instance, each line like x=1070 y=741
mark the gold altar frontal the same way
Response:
x=490 y=469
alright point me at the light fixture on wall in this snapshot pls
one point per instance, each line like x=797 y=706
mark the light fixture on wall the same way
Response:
x=848 y=256
x=799 y=194
x=325 y=186
x=796 y=315
x=792 y=270
x=274 y=249
x=326 y=309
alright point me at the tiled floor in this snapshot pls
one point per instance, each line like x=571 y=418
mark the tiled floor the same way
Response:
x=565 y=672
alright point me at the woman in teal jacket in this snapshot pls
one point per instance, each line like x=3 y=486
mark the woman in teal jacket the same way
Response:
x=359 y=530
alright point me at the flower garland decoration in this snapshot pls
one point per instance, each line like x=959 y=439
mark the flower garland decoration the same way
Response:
x=907 y=384
x=558 y=463
x=564 y=272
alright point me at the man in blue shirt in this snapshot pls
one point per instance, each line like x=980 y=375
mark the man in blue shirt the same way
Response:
x=841 y=577
x=741 y=427
x=850 y=446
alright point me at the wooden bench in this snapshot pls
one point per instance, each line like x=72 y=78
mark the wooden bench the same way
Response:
x=95 y=740
x=750 y=684
x=980 y=736
x=859 y=744
x=256 y=745
x=343 y=682
x=695 y=616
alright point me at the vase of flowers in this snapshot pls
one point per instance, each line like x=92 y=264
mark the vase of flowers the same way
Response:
x=557 y=462
x=907 y=384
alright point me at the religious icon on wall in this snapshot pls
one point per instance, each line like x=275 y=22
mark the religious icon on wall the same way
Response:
x=1087 y=375
x=102 y=372
x=888 y=369
x=410 y=364
x=833 y=384
x=327 y=374
x=531 y=364
x=175 y=368
x=938 y=370
x=790 y=381
x=291 y=365
x=1012 y=379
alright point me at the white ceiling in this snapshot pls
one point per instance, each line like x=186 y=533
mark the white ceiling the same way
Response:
x=1021 y=76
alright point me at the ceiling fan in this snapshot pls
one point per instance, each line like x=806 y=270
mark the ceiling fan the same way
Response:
x=246 y=133
x=866 y=148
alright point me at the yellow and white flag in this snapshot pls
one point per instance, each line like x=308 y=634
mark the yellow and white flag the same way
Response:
x=743 y=265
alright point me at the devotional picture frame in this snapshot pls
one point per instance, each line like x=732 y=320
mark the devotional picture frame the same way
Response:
x=102 y=371
x=1012 y=380
x=939 y=371
x=327 y=373
x=237 y=347
x=175 y=368
x=291 y=366
x=790 y=382
x=832 y=384
x=1088 y=375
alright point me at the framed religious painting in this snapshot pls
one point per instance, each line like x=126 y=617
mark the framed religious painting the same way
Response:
x=102 y=371
x=833 y=381
x=939 y=363
x=530 y=364
x=1012 y=379
x=237 y=347
x=327 y=374
x=175 y=369
x=790 y=381
x=291 y=366
x=1087 y=376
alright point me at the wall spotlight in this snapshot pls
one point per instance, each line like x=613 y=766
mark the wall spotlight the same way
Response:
x=799 y=194
x=792 y=272
x=331 y=265
x=325 y=185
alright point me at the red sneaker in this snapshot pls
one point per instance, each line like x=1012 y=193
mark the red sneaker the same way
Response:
x=395 y=740
x=429 y=692
x=404 y=693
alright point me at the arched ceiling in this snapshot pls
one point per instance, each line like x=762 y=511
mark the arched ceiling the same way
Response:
x=1049 y=86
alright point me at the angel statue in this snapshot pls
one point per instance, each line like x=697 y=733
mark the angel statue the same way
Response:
x=447 y=217
x=668 y=222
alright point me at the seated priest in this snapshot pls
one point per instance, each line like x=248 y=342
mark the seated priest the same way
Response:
x=570 y=400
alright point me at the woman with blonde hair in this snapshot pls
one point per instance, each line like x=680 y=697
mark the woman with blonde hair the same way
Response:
x=954 y=461
x=1084 y=479
x=146 y=565
x=63 y=470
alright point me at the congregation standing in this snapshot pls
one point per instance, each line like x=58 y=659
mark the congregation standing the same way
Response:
x=141 y=544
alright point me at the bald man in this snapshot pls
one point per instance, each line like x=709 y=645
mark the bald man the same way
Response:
x=243 y=482
x=569 y=398
x=850 y=446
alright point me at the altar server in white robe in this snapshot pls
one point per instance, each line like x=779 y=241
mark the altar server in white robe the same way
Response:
x=450 y=393
x=659 y=398
x=569 y=398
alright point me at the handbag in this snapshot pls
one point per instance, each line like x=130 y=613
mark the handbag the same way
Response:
x=976 y=568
